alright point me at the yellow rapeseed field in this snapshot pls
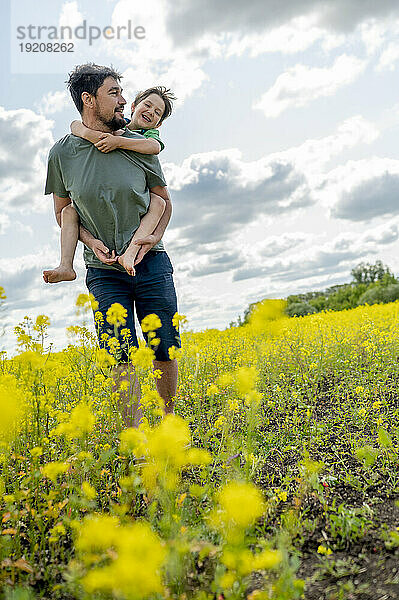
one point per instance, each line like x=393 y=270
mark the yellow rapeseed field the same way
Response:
x=283 y=429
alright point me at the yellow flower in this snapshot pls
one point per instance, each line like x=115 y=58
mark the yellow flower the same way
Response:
x=245 y=379
x=240 y=505
x=81 y=422
x=134 y=572
x=85 y=302
x=212 y=390
x=178 y=320
x=98 y=317
x=167 y=441
x=142 y=357
x=281 y=495
x=220 y=421
x=37 y=451
x=116 y=314
x=227 y=580
x=266 y=311
x=11 y=406
x=42 y=321
x=174 y=352
x=97 y=532
x=133 y=440
x=88 y=490
x=151 y=323
x=324 y=550
x=53 y=469
x=267 y=559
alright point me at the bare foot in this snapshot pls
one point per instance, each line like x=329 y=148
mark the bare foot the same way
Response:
x=127 y=262
x=59 y=274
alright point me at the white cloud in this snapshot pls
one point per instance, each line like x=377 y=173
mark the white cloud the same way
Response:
x=53 y=102
x=4 y=223
x=318 y=260
x=389 y=57
x=70 y=15
x=23 y=158
x=296 y=35
x=364 y=189
x=300 y=85
x=153 y=60
x=188 y=20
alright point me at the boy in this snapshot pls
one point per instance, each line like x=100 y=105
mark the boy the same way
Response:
x=149 y=109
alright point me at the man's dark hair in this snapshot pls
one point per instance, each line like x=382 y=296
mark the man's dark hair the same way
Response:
x=88 y=78
x=164 y=93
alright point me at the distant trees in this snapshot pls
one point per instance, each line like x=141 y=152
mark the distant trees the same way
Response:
x=371 y=284
x=367 y=273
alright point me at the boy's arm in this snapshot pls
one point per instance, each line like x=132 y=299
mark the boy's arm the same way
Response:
x=106 y=142
x=109 y=142
x=99 y=249
x=149 y=241
x=80 y=130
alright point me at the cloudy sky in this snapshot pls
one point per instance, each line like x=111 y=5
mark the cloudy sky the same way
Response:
x=281 y=156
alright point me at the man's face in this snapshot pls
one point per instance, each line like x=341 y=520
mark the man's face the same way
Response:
x=109 y=104
x=148 y=112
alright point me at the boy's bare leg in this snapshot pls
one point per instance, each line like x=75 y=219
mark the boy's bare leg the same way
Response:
x=69 y=239
x=147 y=225
x=167 y=385
x=129 y=394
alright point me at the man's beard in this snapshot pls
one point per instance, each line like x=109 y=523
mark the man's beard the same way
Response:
x=117 y=121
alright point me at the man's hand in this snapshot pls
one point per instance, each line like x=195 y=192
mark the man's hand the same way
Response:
x=146 y=243
x=108 y=142
x=103 y=253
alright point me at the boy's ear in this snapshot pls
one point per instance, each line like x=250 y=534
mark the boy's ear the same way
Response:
x=132 y=107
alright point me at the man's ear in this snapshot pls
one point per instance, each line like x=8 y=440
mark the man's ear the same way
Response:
x=87 y=99
x=132 y=108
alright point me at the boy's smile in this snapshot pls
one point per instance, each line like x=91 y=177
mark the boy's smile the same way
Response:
x=148 y=113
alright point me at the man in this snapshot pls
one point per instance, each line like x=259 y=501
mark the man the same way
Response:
x=110 y=193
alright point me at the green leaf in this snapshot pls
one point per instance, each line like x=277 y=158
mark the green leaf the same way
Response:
x=384 y=439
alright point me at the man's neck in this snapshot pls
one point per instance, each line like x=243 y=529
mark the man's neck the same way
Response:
x=93 y=123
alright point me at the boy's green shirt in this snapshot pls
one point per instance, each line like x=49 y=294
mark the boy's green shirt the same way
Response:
x=151 y=133
x=110 y=191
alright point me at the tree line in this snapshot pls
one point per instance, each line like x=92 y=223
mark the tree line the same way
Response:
x=370 y=284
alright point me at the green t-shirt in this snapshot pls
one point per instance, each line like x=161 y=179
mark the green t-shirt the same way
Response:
x=151 y=133
x=110 y=191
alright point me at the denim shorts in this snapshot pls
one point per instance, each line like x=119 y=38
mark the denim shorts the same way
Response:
x=150 y=291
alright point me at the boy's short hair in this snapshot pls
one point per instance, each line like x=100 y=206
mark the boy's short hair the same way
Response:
x=166 y=94
x=88 y=78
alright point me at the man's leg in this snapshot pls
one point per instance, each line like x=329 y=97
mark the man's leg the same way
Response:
x=167 y=385
x=108 y=287
x=156 y=294
x=128 y=388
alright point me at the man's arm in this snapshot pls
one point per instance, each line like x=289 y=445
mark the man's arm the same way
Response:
x=98 y=247
x=150 y=240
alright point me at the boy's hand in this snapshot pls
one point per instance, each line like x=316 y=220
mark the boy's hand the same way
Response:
x=145 y=243
x=108 y=142
x=103 y=253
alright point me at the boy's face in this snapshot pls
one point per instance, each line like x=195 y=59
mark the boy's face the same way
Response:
x=148 y=112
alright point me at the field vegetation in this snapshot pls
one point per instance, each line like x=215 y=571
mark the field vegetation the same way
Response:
x=277 y=477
